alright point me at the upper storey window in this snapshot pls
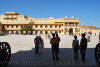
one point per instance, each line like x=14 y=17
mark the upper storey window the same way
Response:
x=76 y=23
x=9 y=17
x=71 y=23
x=45 y=26
x=12 y=26
x=65 y=23
x=21 y=26
x=55 y=26
x=59 y=26
x=7 y=26
x=36 y=26
x=17 y=26
x=50 y=26
x=41 y=26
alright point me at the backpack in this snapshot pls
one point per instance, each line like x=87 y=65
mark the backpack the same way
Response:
x=76 y=44
x=54 y=41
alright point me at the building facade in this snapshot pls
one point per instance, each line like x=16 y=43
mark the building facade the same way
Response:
x=12 y=22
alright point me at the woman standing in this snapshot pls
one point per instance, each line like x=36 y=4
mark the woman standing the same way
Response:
x=41 y=44
x=36 y=41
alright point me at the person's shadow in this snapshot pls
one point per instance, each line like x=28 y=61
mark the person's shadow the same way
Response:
x=66 y=57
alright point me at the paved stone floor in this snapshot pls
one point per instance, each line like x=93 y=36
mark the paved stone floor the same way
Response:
x=28 y=58
x=22 y=48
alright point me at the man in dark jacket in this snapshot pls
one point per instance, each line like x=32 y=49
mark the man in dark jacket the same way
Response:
x=83 y=47
x=58 y=42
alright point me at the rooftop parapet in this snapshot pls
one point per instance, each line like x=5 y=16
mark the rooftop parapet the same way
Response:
x=11 y=13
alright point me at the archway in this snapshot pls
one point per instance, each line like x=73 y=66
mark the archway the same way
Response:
x=46 y=32
x=36 y=32
x=41 y=32
x=71 y=31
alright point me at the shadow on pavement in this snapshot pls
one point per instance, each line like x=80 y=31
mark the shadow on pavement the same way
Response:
x=26 y=58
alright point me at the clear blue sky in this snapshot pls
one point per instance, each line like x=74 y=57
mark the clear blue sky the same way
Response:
x=87 y=11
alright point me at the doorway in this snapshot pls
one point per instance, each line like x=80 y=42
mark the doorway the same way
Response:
x=71 y=31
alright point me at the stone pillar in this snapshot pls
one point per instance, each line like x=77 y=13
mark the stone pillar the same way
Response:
x=73 y=30
x=38 y=32
x=24 y=32
x=43 y=32
x=9 y=32
x=14 y=32
x=62 y=32
x=33 y=32
x=49 y=32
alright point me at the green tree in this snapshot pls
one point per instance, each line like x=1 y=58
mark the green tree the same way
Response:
x=26 y=28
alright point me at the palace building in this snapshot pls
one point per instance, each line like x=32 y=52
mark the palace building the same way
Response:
x=12 y=22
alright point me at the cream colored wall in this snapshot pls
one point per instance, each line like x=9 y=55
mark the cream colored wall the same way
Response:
x=20 y=19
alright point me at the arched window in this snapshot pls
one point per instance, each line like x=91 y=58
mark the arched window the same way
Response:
x=36 y=26
x=46 y=32
x=71 y=31
x=41 y=26
x=45 y=26
x=55 y=26
x=50 y=26
x=41 y=32
x=36 y=32
x=59 y=26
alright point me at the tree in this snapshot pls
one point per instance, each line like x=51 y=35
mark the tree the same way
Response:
x=26 y=28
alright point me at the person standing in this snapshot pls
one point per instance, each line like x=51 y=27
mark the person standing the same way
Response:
x=50 y=36
x=41 y=44
x=83 y=47
x=75 y=46
x=58 y=42
x=36 y=41
x=54 y=46
x=99 y=36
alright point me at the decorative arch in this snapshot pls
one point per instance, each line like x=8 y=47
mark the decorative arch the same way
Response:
x=70 y=31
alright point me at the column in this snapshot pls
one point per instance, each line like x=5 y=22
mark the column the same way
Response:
x=73 y=30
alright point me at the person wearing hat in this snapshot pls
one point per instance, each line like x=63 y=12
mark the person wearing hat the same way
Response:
x=83 y=46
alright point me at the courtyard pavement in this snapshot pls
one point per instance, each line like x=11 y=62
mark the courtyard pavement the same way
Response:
x=22 y=48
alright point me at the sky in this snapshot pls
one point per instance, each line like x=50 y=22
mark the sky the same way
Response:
x=86 y=11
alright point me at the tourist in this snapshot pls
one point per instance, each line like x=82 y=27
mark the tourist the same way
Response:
x=41 y=45
x=36 y=41
x=75 y=46
x=50 y=36
x=46 y=36
x=83 y=47
x=99 y=36
x=58 y=42
x=54 y=45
